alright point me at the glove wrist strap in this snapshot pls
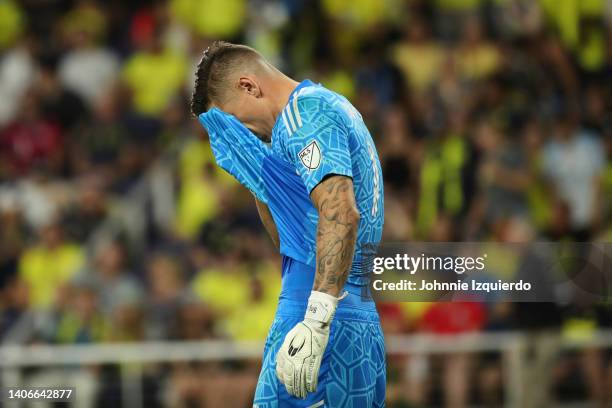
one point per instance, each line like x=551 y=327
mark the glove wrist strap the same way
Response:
x=322 y=307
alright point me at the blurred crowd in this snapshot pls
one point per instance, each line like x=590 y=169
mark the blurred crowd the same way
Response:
x=492 y=119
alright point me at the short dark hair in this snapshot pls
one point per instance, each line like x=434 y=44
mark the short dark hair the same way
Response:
x=217 y=62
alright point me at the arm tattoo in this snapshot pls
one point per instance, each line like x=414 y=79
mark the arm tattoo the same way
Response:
x=268 y=222
x=336 y=232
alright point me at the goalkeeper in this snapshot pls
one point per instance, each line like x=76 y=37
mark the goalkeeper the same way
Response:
x=309 y=160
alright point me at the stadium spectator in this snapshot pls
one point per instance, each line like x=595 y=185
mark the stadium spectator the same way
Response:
x=109 y=275
x=418 y=57
x=576 y=183
x=58 y=104
x=127 y=315
x=167 y=287
x=13 y=235
x=153 y=76
x=211 y=18
x=17 y=73
x=32 y=140
x=476 y=58
x=88 y=69
x=504 y=175
x=81 y=320
x=86 y=212
x=48 y=265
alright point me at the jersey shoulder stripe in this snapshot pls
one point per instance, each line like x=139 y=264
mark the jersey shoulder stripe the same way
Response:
x=298 y=117
x=286 y=122
x=291 y=113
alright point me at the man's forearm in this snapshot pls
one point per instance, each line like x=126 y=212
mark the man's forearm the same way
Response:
x=268 y=222
x=336 y=233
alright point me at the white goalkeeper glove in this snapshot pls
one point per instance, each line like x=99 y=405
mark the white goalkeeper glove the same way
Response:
x=299 y=359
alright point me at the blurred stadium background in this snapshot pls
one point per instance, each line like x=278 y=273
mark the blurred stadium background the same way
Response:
x=142 y=273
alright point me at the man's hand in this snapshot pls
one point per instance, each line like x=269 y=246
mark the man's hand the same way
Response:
x=299 y=359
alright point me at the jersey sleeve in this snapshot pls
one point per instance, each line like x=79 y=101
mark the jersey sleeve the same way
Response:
x=317 y=139
x=237 y=150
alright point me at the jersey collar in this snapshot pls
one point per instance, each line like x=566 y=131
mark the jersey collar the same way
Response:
x=305 y=83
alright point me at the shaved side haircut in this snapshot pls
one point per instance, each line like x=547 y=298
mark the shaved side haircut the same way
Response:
x=218 y=63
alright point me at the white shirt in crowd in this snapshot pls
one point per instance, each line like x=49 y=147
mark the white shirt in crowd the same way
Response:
x=573 y=167
x=17 y=71
x=89 y=72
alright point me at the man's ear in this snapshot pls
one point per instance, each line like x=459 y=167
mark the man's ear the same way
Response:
x=248 y=85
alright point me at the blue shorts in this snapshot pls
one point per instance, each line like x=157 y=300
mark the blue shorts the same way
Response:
x=353 y=370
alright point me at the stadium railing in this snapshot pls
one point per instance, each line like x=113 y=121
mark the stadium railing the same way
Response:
x=131 y=357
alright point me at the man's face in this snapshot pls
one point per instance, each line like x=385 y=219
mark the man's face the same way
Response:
x=249 y=106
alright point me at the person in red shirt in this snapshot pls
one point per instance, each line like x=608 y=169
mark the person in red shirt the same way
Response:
x=30 y=141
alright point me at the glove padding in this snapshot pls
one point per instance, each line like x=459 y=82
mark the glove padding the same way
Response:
x=299 y=359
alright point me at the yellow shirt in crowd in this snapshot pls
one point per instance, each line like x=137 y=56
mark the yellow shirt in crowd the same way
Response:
x=11 y=23
x=44 y=270
x=230 y=293
x=211 y=18
x=154 y=79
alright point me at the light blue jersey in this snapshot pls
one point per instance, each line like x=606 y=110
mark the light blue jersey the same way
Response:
x=318 y=134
